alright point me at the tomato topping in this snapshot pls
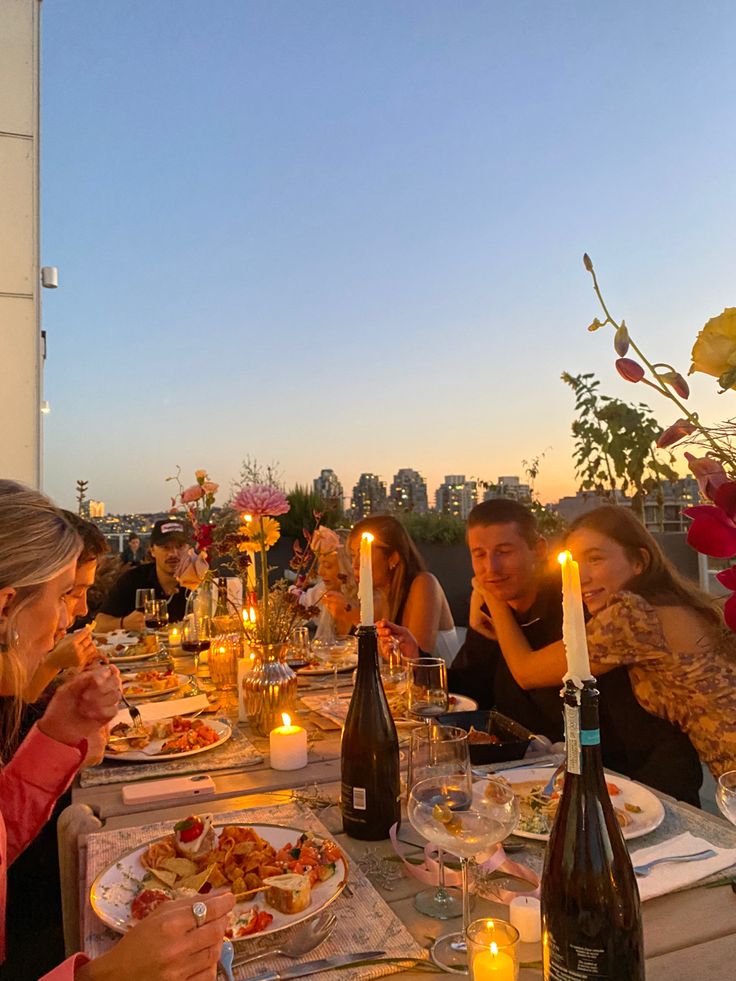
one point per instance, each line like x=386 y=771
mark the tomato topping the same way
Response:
x=146 y=902
x=613 y=790
x=189 y=829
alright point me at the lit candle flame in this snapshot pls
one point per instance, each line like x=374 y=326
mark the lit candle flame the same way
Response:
x=494 y=948
x=252 y=615
x=367 y=536
x=286 y=718
x=564 y=557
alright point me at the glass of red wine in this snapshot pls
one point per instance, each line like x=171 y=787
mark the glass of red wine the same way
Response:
x=196 y=636
x=156 y=613
x=141 y=595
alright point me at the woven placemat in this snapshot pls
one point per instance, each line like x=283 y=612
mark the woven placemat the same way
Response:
x=364 y=920
x=237 y=752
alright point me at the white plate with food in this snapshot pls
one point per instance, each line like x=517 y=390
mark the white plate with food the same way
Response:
x=167 y=739
x=152 y=684
x=638 y=810
x=281 y=875
x=137 y=655
x=323 y=670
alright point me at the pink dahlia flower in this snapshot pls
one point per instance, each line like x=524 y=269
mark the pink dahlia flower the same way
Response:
x=259 y=500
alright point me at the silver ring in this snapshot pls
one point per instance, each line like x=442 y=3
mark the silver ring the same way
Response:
x=200 y=913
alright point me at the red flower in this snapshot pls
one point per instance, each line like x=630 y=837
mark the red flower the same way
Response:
x=629 y=369
x=204 y=537
x=712 y=532
x=677 y=431
x=708 y=472
x=727 y=578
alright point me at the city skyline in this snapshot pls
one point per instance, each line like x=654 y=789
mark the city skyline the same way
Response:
x=326 y=232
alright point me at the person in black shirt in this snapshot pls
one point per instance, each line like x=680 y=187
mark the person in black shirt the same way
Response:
x=169 y=542
x=510 y=556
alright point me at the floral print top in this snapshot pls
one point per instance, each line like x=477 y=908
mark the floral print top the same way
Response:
x=693 y=688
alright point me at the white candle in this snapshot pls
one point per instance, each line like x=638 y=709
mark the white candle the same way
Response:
x=526 y=915
x=573 y=621
x=245 y=666
x=288 y=745
x=365 y=585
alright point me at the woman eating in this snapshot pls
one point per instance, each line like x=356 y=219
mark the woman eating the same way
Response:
x=38 y=557
x=405 y=592
x=680 y=655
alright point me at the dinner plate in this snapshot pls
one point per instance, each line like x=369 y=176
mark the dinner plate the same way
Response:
x=462 y=703
x=182 y=680
x=148 y=755
x=323 y=670
x=650 y=817
x=114 y=889
x=123 y=658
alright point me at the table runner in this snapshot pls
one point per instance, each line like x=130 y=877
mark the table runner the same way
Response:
x=364 y=920
x=237 y=752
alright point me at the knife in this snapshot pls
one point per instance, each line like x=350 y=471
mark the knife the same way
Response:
x=314 y=967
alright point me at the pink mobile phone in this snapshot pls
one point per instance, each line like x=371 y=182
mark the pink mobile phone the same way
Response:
x=173 y=788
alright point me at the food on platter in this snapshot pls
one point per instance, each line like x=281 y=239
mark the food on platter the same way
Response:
x=180 y=734
x=537 y=810
x=148 y=682
x=479 y=738
x=196 y=858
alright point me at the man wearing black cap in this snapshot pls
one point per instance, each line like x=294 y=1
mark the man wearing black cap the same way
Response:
x=169 y=541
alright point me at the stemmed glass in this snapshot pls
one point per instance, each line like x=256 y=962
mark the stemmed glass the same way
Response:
x=435 y=750
x=156 y=613
x=465 y=818
x=335 y=654
x=141 y=596
x=726 y=795
x=427 y=688
x=196 y=636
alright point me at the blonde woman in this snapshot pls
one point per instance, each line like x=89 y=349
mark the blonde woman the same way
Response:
x=38 y=557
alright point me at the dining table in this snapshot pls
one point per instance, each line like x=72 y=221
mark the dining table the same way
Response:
x=688 y=934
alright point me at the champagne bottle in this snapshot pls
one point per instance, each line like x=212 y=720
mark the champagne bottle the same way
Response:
x=591 y=920
x=369 y=752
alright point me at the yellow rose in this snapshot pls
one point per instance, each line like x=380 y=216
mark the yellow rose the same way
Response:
x=714 y=351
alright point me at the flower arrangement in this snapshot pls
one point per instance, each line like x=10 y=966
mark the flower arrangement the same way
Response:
x=713 y=528
x=196 y=504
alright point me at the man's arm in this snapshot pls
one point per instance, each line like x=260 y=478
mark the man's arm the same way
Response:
x=118 y=611
x=134 y=621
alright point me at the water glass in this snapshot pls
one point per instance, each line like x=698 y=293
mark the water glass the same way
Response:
x=726 y=795
x=427 y=688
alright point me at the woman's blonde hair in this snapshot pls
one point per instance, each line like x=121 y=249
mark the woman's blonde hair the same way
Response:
x=36 y=543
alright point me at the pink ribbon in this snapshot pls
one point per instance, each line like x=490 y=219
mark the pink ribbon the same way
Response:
x=428 y=870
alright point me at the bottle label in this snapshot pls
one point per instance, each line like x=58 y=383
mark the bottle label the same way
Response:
x=590 y=737
x=572 y=739
x=359 y=798
x=581 y=963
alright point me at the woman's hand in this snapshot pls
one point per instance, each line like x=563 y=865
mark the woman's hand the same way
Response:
x=73 y=651
x=345 y=613
x=82 y=706
x=407 y=643
x=168 y=945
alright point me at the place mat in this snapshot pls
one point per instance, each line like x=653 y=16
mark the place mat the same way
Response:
x=237 y=752
x=364 y=920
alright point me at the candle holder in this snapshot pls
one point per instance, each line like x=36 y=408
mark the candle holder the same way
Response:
x=269 y=688
x=225 y=652
x=493 y=950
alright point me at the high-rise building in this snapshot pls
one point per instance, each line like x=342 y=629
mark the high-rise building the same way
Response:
x=509 y=487
x=409 y=491
x=93 y=509
x=456 y=496
x=329 y=488
x=369 y=496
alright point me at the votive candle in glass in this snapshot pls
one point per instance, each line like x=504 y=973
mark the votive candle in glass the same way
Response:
x=493 y=950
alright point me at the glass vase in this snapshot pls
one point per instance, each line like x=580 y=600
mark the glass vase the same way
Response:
x=269 y=688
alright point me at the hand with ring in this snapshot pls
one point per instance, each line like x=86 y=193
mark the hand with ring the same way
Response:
x=179 y=941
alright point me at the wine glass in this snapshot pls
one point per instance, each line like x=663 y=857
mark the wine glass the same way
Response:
x=334 y=654
x=156 y=613
x=196 y=636
x=726 y=795
x=465 y=818
x=435 y=750
x=427 y=688
x=141 y=595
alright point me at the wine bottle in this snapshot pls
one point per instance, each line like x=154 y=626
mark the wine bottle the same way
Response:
x=591 y=920
x=223 y=615
x=369 y=752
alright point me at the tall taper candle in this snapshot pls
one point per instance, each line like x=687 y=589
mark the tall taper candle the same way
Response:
x=573 y=620
x=365 y=584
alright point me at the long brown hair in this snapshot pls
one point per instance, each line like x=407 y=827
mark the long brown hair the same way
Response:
x=391 y=535
x=659 y=582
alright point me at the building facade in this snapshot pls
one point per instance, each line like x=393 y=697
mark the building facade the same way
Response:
x=329 y=488
x=456 y=496
x=409 y=491
x=369 y=496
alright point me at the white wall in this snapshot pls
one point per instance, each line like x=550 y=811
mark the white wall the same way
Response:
x=20 y=373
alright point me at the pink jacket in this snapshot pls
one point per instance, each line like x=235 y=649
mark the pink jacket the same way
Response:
x=30 y=785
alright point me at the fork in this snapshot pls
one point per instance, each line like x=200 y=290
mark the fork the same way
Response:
x=643 y=870
x=305 y=939
x=135 y=715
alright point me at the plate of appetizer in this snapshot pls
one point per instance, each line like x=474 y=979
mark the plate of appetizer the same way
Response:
x=167 y=739
x=279 y=875
x=319 y=670
x=637 y=809
x=152 y=684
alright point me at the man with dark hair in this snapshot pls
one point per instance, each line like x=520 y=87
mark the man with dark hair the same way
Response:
x=509 y=559
x=169 y=542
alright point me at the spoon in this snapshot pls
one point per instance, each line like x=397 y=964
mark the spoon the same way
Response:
x=643 y=870
x=304 y=939
x=227 y=955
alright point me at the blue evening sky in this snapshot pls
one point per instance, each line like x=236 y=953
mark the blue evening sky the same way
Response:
x=349 y=234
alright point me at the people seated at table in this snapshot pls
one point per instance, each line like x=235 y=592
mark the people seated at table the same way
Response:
x=169 y=543
x=646 y=619
x=405 y=592
x=133 y=553
x=38 y=559
x=335 y=571
x=509 y=559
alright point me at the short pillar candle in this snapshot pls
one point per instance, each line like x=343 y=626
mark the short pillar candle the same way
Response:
x=526 y=915
x=288 y=746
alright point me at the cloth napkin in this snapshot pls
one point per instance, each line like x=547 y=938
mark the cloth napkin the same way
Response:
x=155 y=711
x=670 y=876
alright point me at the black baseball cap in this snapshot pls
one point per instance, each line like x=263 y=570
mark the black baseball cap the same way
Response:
x=168 y=530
